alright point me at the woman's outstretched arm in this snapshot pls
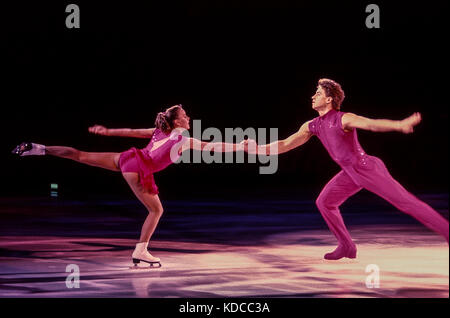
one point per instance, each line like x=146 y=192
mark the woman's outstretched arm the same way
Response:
x=280 y=146
x=122 y=132
x=199 y=145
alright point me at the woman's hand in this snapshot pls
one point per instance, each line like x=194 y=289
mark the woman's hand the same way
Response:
x=98 y=130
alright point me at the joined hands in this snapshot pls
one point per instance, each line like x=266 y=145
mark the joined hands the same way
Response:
x=250 y=146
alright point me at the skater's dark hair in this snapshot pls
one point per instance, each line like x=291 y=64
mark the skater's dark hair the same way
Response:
x=165 y=120
x=333 y=90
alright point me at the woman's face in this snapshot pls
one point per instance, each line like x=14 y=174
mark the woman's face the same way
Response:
x=182 y=120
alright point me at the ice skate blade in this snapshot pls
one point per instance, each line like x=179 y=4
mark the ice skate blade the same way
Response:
x=348 y=257
x=152 y=264
x=330 y=257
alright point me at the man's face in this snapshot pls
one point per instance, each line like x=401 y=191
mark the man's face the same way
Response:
x=320 y=100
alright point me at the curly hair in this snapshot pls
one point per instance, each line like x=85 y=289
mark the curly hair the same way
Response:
x=334 y=90
x=164 y=120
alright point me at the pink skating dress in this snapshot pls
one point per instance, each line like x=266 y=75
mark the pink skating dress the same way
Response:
x=146 y=161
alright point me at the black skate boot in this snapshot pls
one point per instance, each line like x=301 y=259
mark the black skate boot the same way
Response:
x=29 y=149
x=20 y=149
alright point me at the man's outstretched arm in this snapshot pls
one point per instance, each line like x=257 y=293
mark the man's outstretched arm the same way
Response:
x=281 y=146
x=406 y=126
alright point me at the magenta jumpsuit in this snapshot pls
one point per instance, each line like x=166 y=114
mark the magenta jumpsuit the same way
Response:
x=146 y=161
x=359 y=171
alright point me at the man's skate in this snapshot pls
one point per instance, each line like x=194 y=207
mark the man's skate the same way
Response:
x=341 y=252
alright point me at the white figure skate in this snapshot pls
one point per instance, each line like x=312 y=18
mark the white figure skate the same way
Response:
x=141 y=254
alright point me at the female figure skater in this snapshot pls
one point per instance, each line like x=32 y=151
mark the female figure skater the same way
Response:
x=337 y=132
x=138 y=165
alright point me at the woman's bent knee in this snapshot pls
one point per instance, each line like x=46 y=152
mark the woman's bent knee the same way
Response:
x=156 y=211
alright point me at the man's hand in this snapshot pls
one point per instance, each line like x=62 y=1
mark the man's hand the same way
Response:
x=98 y=130
x=407 y=124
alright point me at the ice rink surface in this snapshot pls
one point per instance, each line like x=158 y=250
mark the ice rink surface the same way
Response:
x=216 y=249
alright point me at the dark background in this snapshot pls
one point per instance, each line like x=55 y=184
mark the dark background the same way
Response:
x=231 y=64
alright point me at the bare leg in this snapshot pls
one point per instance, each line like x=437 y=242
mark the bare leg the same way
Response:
x=155 y=210
x=106 y=160
x=150 y=201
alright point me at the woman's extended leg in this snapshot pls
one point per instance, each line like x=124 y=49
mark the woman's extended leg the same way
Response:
x=106 y=160
x=155 y=210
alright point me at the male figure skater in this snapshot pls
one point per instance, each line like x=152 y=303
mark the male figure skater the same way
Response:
x=337 y=132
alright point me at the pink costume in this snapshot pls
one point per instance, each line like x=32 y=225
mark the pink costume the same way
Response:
x=359 y=171
x=146 y=161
